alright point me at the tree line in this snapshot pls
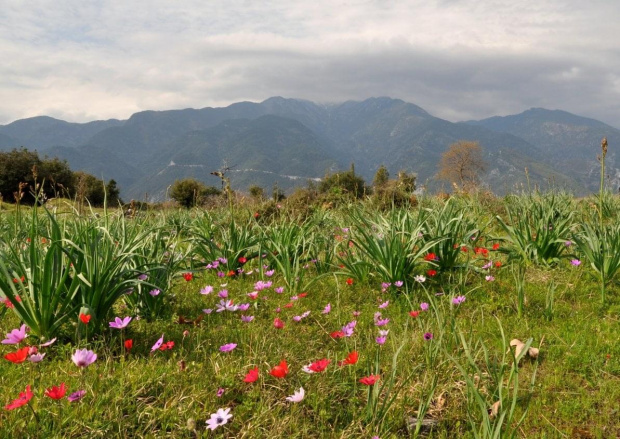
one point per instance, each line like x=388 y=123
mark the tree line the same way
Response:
x=23 y=174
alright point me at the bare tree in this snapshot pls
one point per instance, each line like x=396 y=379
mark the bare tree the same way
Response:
x=462 y=164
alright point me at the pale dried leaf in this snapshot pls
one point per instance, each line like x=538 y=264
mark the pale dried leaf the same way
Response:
x=494 y=410
x=533 y=352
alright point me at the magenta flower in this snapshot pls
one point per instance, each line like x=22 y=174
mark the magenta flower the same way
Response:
x=143 y=277
x=489 y=278
x=247 y=319
x=458 y=300
x=158 y=343
x=83 y=357
x=398 y=283
x=223 y=294
x=119 y=323
x=384 y=304
x=244 y=306
x=16 y=336
x=428 y=336
x=76 y=396
x=573 y=262
x=207 y=311
x=327 y=309
x=228 y=347
x=207 y=290
x=269 y=273
x=220 y=392
x=154 y=293
x=424 y=306
x=279 y=290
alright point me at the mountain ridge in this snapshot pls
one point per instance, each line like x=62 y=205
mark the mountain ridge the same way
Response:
x=283 y=136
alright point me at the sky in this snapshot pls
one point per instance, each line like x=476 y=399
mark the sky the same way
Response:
x=458 y=59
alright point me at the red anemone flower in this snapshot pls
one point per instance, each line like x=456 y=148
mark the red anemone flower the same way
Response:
x=337 y=334
x=19 y=356
x=56 y=392
x=349 y=281
x=280 y=371
x=23 y=399
x=128 y=344
x=188 y=276
x=278 y=323
x=414 y=313
x=370 y=379
x=243 y=260
x=351 y=359
x=251 y=376
x=319 y=365
x=431 y=273
x=85 y=318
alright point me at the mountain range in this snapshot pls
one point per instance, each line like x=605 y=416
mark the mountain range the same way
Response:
x=288 y=141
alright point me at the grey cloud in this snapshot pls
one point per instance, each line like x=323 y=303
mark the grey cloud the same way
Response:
x=457 y=59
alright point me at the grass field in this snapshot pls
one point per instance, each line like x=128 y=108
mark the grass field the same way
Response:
x=454 y=282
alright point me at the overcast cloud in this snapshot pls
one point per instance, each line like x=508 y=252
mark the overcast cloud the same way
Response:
x=457 y=59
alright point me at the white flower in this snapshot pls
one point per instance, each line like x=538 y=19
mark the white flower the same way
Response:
x=298 y=396
x=420 y=278
x=307 y=369
x=218 y=418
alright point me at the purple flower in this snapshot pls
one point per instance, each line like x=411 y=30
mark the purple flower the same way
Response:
x=327 y=309
x=489 y=278
x=279 y=290
x=143 y=277
x=356 y=313
x=247 y=319
x=487 y=265
x=244 y=306
x=382 y=336
x=573 y=262
x=49 y=343
x=424 y=306
x=385 y=285
x=384 y=304
x=76 y=396
x=398 y=283
x=568 y=243
x=428 y=336
x=207 y=311
x=226 y=305
x=382 y=322
x=218 y=418
x=228 y=347
x=458 y=300
x=154 y=293
x=269 y=273
x=84 y=357
x=221 y=274
x=223 y=294
x=207 y=290
x=349 y=328
x=36 y=358
x=119 y=323
x=16 y=336
x=222 y=260
x=220 y=392
x=158 y=343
